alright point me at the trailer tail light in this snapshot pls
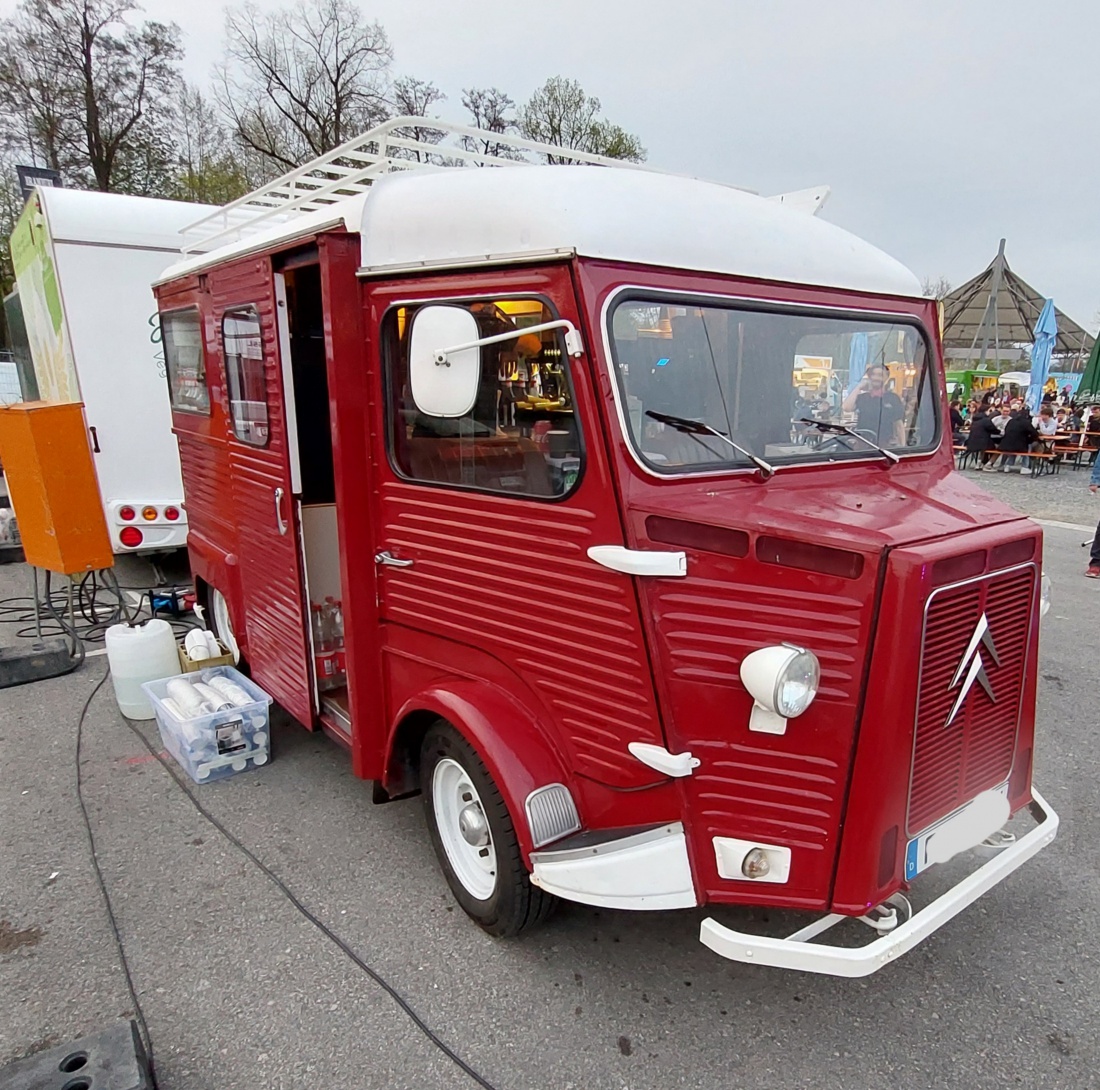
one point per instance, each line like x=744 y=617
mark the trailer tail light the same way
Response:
x=131 y=537
x=148 y=513
x=171 y=513
x=126 y=514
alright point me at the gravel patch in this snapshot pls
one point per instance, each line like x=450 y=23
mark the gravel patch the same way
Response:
x=1059 y=497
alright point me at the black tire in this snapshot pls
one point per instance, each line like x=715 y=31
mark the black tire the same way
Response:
x=515 y=905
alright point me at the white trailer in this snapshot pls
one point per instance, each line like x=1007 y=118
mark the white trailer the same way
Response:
x=83 y=263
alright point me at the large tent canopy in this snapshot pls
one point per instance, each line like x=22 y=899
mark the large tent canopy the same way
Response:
x=997 y=308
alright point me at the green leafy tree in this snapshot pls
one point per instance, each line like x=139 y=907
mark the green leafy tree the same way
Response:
x=561 y=113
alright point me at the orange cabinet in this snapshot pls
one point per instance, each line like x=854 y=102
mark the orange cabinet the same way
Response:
x=48 y=465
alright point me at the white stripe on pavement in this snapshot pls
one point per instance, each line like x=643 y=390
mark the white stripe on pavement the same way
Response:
x=1066 y=525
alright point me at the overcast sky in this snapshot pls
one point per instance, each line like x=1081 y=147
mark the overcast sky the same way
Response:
x=941 y=127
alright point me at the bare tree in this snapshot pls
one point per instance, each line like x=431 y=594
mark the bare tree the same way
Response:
x=300 y=81
x=414 y=98
x=211 y=170
x=937 y=288
x=88 y=92
x=494 y=111
x=561 y=113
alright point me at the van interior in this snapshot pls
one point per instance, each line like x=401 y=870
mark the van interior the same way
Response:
x=305 y=335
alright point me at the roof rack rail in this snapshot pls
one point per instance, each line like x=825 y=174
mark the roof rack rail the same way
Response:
x=402 y=143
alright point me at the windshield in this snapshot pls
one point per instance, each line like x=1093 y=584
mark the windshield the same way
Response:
x=765 y=379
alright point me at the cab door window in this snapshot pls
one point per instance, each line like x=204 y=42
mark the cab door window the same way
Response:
x=521 y=437
x=243 y=348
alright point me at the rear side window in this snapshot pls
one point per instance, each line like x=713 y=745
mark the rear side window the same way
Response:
x=181 y=333
x=521 y=437
x=243 y=348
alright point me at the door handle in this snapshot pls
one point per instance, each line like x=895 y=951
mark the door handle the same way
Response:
x=639 y=561
x=388 y=560
x=279 y=521
x=95 y=441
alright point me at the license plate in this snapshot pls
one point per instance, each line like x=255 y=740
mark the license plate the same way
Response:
x=966 y=828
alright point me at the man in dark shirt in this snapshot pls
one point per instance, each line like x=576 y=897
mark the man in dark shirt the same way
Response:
x=879 y=412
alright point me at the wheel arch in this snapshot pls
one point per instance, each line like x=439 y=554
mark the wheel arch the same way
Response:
x=216 y=569
x=507 y=737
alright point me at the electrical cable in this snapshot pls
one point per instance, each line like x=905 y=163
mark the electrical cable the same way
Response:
x=148 y=1040
x=100 y=601
x=285 y=890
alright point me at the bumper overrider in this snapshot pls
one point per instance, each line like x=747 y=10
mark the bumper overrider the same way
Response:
x=799 y=951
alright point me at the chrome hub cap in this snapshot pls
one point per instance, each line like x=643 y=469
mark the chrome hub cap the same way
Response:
x=464 y=829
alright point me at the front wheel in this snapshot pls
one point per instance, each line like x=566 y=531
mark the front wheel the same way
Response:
x=474 y=837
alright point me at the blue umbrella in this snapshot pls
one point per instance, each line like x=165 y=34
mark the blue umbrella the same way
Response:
x=1046 y=329
x=857 y=361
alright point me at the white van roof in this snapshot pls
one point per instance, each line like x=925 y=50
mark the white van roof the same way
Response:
x=458 y=217
x=115 y=219
x=421 y=201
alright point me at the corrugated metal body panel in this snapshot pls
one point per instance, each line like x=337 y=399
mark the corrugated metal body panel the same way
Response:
x=510 y=577
x=274 y=612
x=779 y=789
x=953 y=762
x=207 y=488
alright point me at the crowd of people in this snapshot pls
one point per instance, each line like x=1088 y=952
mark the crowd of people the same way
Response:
x=998 y=430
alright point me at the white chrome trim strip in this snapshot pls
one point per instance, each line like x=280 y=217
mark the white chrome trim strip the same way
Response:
x=796 y=953
x=525 y=257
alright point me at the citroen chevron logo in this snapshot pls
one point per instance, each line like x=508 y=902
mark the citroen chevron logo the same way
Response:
x=973 y=666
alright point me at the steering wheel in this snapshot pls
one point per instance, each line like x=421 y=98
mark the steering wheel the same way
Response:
x=844 y=442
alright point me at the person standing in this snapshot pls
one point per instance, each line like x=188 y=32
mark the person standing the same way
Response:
x=879 y=411
x=1094 y=556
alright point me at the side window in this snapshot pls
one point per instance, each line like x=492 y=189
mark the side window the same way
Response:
x=243 y=348
x=181 y=333
x=521 y=437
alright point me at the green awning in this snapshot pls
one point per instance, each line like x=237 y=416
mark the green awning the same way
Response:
x=1090 y=380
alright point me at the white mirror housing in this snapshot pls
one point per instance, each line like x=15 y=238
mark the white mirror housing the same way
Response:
x=447 y=386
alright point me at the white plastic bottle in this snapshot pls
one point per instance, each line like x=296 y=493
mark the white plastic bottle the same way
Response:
x=144 y=653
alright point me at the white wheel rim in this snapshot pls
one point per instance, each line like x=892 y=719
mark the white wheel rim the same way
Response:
x=475 y=865
x=220 y=608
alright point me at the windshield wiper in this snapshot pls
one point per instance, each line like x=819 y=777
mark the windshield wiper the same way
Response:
x=697 y=427
x=843 y=429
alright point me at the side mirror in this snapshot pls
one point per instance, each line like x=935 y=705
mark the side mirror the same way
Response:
x=448 y=388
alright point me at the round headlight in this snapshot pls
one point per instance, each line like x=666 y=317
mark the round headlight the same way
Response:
x=782 y=680
x=797 y=684
x=1045 y=595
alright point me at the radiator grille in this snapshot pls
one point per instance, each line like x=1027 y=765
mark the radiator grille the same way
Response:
x=954 y=762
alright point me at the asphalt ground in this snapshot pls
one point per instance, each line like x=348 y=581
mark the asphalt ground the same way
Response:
x=241 y=991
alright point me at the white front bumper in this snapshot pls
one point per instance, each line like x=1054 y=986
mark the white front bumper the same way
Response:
x=797 y=952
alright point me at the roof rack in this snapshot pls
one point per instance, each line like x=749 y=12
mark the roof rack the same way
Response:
x=349 y=170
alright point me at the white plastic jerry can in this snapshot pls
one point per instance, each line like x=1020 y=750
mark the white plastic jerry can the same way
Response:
x=143 y=653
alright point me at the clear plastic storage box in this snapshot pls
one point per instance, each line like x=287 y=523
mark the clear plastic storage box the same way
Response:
x=212 y=745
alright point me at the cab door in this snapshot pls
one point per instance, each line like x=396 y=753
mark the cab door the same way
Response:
x=485 y=523
x=274 y=619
